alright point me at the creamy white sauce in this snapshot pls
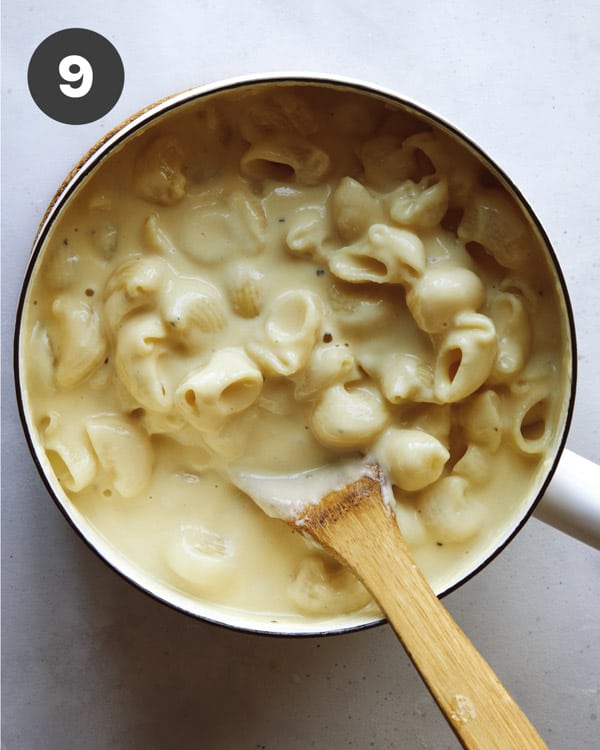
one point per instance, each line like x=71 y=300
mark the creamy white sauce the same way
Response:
x=289 y=496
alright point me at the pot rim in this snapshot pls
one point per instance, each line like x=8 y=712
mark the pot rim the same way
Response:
x=161 y=108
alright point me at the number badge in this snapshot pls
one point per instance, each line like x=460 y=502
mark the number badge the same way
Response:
x=75 y=76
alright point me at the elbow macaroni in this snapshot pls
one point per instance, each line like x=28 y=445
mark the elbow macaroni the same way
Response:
x=421 y=205
x=346 y=417
x=137 y=359
x=68 y=452
x=321 y=586
x=131 y=287
x=283 y=158
x=387 y=256
x=304 y=279
x=78 y=340
x=513 y=328
x=308 y=232
x=354 y=209
x=465 y=357
x=443 y=293
x=414 y=459
x=229 y=383
x=289 y=333
x=123 y=451
x=157 y=174
x=492 y=220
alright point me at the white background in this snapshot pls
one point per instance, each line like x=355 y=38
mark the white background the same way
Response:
x=91 y=663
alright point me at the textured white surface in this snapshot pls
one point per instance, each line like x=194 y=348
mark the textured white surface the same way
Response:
x=88 y=661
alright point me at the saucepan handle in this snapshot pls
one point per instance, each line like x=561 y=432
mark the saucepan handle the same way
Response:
x=572 y=501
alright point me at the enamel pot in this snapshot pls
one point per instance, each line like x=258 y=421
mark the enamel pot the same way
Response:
x=566 y=495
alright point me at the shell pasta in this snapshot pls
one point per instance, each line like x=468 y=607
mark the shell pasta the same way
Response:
x=273 y=280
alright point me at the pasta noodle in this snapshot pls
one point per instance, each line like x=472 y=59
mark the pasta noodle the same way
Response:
x=288 y=111
x=348 y=416
x=388 y=255
x=201 y=557
x=354 y=209
x=138 y=354
x=190 y=306
x=474 y=465
x=359 y=306
x=441 y=294
x=157 y=174
x=68 y=452
x=460 y=172
x=39 y=340
x=447 y=512
x=492 y=220
x=327 y=365
x=529 y=425
x=422 y=204
x=246 y=290
x=465 y=357
x=227 y=384
x=386 y=162
x=285 y=157
x=481 y=420
x=308 y=232
x=156 y=238
x=132 y=287
x=211 y=226
x=413 y=458
x=435 y=419
x=289 y=333
x=402 y=377
x=514 y=336
x=323 y=587
x=123 y=451
x=78 y=341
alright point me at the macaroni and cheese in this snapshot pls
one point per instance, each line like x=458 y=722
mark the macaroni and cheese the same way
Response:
x=268 y=280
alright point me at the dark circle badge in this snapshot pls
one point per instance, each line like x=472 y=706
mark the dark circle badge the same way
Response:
x=75 y=76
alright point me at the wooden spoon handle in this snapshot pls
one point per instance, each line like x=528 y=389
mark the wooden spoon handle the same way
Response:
x=359 y=529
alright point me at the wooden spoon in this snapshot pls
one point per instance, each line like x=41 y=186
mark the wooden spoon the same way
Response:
x=358 y=526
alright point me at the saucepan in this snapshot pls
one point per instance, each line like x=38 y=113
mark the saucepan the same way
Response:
x=404 y=220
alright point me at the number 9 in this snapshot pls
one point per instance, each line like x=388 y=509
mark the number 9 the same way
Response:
x=77 y=70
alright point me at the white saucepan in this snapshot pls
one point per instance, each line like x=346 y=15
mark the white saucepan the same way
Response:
x=568 y=494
